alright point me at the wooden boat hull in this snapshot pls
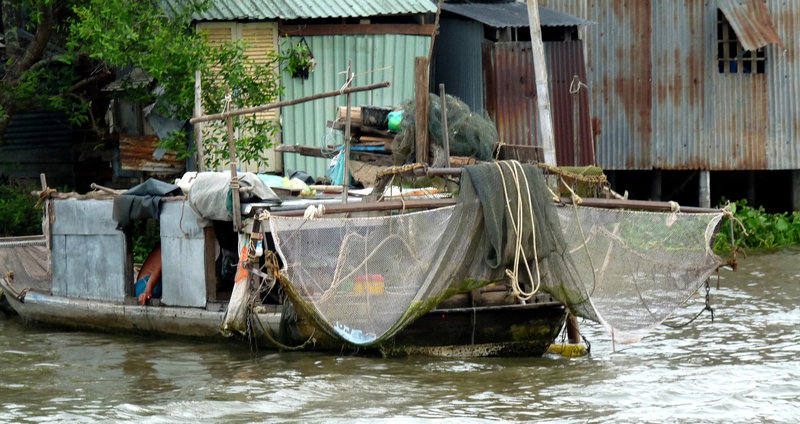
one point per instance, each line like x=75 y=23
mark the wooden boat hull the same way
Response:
x=507 y=330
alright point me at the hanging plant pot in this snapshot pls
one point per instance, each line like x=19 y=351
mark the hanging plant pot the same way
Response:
x=299 y=60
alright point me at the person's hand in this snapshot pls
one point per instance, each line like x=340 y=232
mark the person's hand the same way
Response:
x=144 y=297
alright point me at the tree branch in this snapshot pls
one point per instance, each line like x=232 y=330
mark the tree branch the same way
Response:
x=36 y=48
x=78 y=85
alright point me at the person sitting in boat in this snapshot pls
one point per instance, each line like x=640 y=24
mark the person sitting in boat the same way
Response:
x=148 y=282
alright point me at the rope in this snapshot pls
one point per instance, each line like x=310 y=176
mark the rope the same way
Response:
x=674 y=207
x=576 y=200
x=385 y=68
x=405 y=169
x=515 y=168
x=500 y=145
x=576 y=84
x=313 y=212
x=44 y=195
x=591 y=179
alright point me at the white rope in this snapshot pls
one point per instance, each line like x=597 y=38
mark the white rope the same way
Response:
x=313 y=212
x=576 y=84
x=515 y=169
x=674 y=207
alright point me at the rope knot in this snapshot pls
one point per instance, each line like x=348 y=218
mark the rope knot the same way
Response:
x=313 y=212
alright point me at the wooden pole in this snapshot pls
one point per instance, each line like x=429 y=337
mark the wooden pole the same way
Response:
x=435 y=28
x=346 y=136
x=421 y=108
x=198 y=127
x=542 y=92
x=237 y=208
x=275 y=105
x=445 y=131
x=375 y=206
x=644 y=205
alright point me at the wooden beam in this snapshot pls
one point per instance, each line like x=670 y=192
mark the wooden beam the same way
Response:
x=645 y=205
x=542 y=91
x=375 y=206
x=421 y=108
x=356 y=29
x=275 y=105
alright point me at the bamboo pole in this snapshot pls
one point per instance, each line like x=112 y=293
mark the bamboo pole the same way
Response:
x=375 y=206
x=445 y=133
x=275 y=105
x=645 y=205
x=237 y=208
x=346 y=135
x=198 y=127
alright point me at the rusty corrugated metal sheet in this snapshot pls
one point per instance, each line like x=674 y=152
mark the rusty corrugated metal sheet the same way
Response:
x=659 y=101
x=783 y=148
x=752 y=22
x=136 y=154
x=510 y=96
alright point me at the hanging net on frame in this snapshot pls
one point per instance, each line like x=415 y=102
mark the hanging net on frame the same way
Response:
x=364 y=279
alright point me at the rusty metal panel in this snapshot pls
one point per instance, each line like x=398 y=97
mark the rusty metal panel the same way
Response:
x=681 y=75
x=783 y=69
x=511 y=96
x=136 y=154
x=751 y=21
x=658 y=100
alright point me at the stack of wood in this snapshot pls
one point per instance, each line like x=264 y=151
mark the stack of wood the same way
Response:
x=363 y=133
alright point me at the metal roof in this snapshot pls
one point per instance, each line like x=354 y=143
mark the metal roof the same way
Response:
x=511 y=14
x=232 y=10
x=751 y=21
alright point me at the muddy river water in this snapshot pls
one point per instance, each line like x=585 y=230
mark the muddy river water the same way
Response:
x=743 y=367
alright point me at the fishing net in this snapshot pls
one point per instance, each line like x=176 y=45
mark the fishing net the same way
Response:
x=364 y=279
x=635 y=268
x=471 y=134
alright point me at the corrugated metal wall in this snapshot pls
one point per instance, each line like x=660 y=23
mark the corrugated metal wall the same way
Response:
x=511 y=96
x=36 y=142
x=458 y=61
x=658 y=100
x=306 y=123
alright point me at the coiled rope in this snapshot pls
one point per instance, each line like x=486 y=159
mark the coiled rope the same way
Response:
x=515 y=169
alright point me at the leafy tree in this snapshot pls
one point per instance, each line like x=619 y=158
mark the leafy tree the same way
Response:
x=56 y=48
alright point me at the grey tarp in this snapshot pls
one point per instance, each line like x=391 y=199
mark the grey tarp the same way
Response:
x=210 y=195
x=142 y=201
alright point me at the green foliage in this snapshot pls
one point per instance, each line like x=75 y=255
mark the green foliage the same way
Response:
x=18 y=217
x=297 y=59
x=100 y=36
x=145 y=235
x=764 y=230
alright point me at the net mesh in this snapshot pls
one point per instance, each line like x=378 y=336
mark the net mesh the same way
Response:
x=364 y=279
x=470 y=133
x=635 y=268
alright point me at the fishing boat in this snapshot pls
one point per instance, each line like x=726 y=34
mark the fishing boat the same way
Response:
x=80 y=274
x=433 y=276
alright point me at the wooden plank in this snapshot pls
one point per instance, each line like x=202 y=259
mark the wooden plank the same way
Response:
x=356 y=29
x=421 y=108
x=542 y=91
x=355 y=115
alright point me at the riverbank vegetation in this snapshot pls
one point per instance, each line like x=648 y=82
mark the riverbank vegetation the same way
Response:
x=757 y=229
x=18 y=217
